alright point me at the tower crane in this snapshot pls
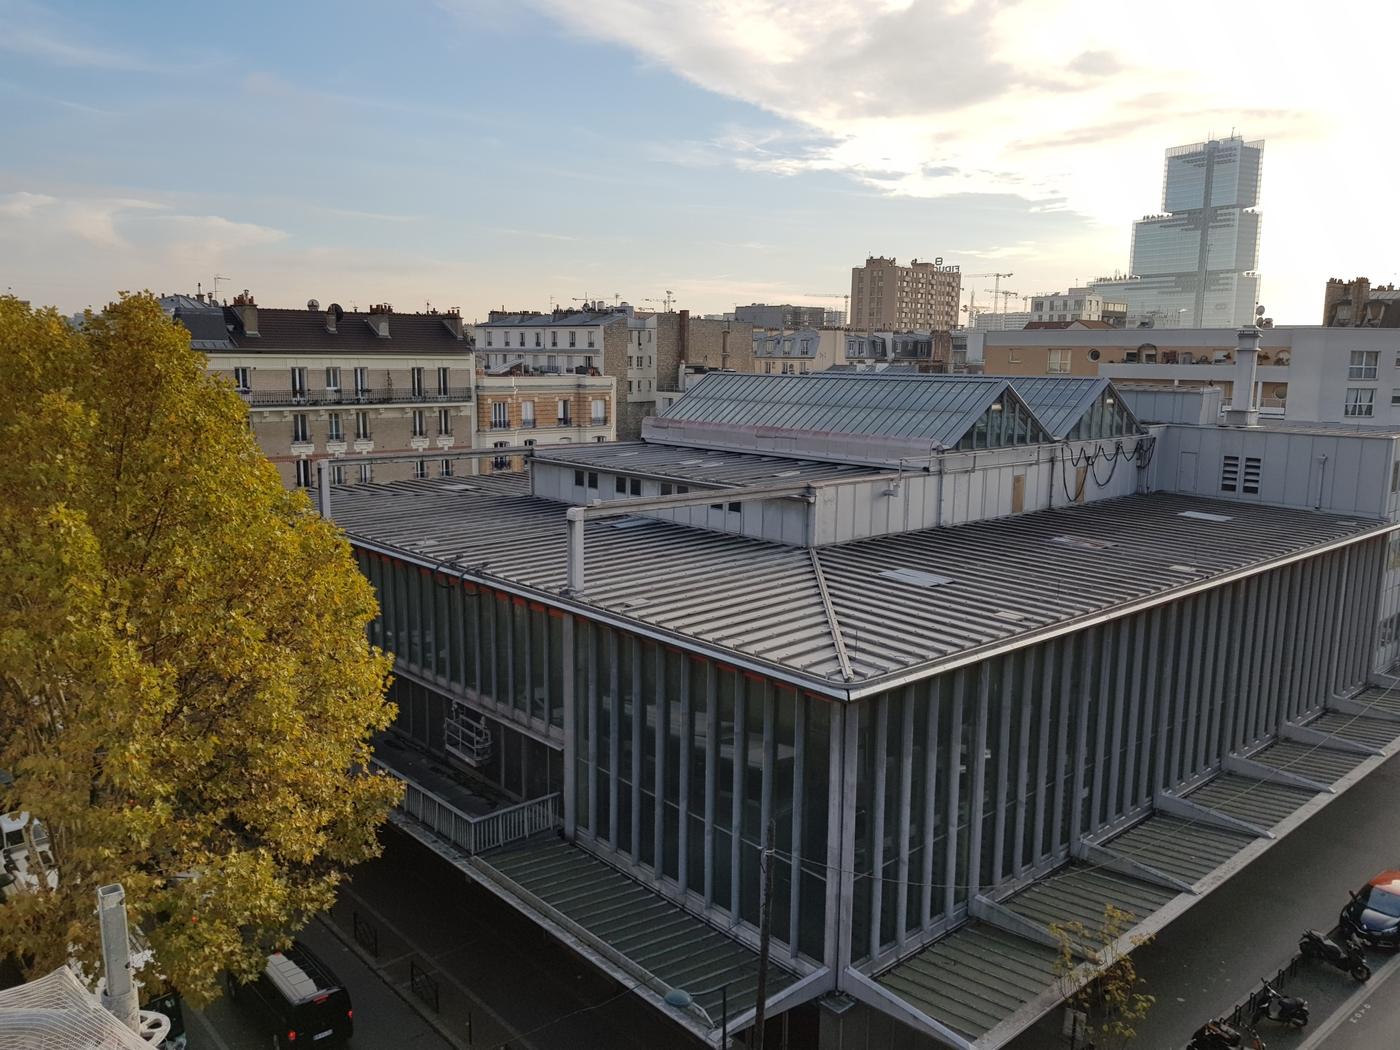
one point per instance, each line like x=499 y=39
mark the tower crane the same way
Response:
x=665 y=303
x=972 y=300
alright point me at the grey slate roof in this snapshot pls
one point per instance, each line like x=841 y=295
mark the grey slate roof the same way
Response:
x=576 y=319
x=1008 y=578
x=934 y=408
x=305 y=330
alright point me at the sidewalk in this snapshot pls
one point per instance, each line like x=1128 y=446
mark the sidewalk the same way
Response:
x=1214 y=955
x=501 y=983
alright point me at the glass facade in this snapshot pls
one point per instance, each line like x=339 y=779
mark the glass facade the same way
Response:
x=1193 y=267
x=895 y=809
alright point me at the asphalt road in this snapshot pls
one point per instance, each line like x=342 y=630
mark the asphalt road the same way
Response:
x=382 y=1019
x=1370 y=1021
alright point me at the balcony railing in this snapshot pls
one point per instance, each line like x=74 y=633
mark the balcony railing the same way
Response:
x=476 y=834
x=277 y=399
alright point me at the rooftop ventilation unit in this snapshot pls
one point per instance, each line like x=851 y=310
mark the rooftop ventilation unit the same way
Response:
x=915 y=577
x=1201 y=515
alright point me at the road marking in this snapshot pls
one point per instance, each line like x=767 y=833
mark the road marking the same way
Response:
x=512 y=1038
x=209 y=1030
x=1348 y=1010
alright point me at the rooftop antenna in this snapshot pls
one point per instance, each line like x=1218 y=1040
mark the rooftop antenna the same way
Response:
x=616 y=298
x=217 y=278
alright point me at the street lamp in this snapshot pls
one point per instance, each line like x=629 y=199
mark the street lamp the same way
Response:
x=677 y=997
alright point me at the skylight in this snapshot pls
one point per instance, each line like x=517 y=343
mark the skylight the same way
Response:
x=1087 y=543
x=915 y=577
x=1201 y=515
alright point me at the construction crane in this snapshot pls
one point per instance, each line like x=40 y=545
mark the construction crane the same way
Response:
x=1005 y=294
x=844 y=297
x=664 y=303
x=972 y=301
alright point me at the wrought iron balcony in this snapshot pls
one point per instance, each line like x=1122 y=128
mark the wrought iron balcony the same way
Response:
x=321 y=398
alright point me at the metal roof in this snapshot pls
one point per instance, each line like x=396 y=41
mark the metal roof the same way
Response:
x=1011 y=579
x=937 y=409
x=575 y=319
x=697 y=464
x=1059 y=402
x=621 y=915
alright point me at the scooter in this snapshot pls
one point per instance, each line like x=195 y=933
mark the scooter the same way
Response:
x=1285 y=1009
x=1345 y=953
x=1220 y=1034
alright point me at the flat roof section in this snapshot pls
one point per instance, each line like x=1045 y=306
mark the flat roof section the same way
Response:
x=703 y=466
x=911 y=603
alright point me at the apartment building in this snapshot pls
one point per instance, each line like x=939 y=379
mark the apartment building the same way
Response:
x=885 y=295
x=1306 y=373
x=536 y=411
x=1077 y=304
x=920 y=351
x=797 y=352
x=988 y=654
x=785 y=315
x=324 y=384
x=1359 y=304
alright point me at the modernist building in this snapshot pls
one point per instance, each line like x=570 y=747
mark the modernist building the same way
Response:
x=1000 y=320
x=885 y=295
x=324 y=384
x=1195 y=265
x=989 y=654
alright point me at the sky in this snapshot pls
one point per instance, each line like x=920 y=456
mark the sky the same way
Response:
x=523 y=153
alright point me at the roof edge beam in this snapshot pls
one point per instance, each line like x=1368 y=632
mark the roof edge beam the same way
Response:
x=1351 y=706
x=815 y=984
x=1176 y=806
x=1248 y=767
x=1105 y=857
x=878 y=997
x=1330 y=741
x=1012 y=922
x=833 y=625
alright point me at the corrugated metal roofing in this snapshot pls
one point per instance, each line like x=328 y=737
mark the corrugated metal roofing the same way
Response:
x=700 y=465
x=678 y=948
x=1321 y=764
x=1256 y=801
x=1374 y=732
x=761 y=600
x=1184 y=850
x=933 y=408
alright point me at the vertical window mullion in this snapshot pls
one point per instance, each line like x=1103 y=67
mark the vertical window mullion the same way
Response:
x=799 y=780
x=658 y=828
x=711 y=774
x=640 y=705
x=736 y=832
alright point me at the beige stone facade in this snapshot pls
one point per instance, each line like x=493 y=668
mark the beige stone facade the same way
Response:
x=525 y=411
x=886 y=296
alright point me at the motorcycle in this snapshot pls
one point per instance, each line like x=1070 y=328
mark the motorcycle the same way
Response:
x=1220 y=1034
x=1345 y=953
x=1285 y=1009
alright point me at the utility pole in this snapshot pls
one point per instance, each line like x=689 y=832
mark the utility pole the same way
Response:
x=765 y=934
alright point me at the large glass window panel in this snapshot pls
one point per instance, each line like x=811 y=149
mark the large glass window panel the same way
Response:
x=539 y=674
x=556 y=664
x=669 y=707
x=724 y=788
x=698 y=672
x=811 y=924
x=605 y=647
x=442 y=624
x=751 y=751
x=519 y=655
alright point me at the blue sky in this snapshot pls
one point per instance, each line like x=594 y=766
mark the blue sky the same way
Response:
x=481 y=153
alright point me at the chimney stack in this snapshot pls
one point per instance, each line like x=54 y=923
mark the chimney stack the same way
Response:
x=379 y=319
x=247 y=310
x=1242 y=411
x=453 y=319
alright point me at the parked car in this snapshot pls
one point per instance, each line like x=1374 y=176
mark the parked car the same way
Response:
x=299 y=1000
x=1374 y=911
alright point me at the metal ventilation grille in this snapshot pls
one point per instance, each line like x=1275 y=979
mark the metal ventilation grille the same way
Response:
x=1229 y=473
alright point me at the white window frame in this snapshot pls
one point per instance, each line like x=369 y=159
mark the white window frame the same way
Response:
x=415 y=376
x=500 y=415
x=332 y=379
x=301 y=428
x=444 y=422
x=362 y=427
x=334 y=431
x=1363 y=365
x=1360 y=402
x=444 y=374
x=243 y=379
x=420 y=427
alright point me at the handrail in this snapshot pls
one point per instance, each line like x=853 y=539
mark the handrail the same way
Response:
x=475 y=834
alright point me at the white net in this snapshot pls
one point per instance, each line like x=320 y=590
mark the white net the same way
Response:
x=57 y=1013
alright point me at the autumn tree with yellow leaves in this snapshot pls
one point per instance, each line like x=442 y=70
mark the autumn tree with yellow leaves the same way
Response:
x=186 y=690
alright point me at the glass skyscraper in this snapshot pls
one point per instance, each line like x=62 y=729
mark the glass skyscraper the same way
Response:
x=1194 y=266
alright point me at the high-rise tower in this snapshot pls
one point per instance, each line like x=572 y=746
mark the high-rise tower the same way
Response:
x=1195 y=265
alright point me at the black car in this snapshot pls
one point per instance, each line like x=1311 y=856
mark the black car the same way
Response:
x=1374 y=912
x=300 y=1000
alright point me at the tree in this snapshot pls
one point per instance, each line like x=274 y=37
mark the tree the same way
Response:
x=1106 y=989
x=186 y=689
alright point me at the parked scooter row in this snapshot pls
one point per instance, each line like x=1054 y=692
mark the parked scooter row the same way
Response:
x=1346 y=953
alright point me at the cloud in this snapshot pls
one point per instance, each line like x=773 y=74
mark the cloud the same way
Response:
x=23 y=204
x=1043 y=99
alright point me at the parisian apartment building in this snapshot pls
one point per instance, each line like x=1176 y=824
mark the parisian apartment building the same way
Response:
x=643 y=352
x=521 y=411
x=922 y=295
x=332 y=384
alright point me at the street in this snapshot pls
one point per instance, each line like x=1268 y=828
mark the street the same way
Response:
x=1215 y=954
x=1369 y=1021
x=382 y=1019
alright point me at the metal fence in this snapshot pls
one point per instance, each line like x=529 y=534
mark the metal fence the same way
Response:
x=474 y=834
